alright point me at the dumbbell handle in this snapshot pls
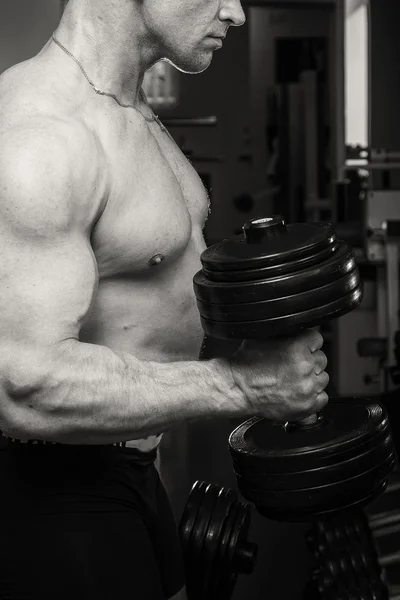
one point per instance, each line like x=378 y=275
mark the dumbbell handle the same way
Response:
x=311 y=420
x=255 y=231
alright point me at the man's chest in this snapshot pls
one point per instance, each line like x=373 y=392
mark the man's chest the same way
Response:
x=156 y=203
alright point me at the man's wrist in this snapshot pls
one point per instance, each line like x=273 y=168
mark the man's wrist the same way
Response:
x=229 y=396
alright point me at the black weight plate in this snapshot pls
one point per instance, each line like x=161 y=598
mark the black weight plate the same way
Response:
x=195 y=558
x=287 y=325
x=325 y=475
x=283 y=306
x=211 y=559
x=255 y=273
x=324 y=498
x=257 y=289
x=297 y=515
x=225 y=579
x=218 y=576
x=347 y=541
x=239 y=536
x=348 y=424
x=324 y=494
x=302 y=240
x=190 y=511
x=257 y=469
x=372 y=495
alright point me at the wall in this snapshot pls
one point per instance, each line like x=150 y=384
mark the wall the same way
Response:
x=25 y=27
x=385 y=74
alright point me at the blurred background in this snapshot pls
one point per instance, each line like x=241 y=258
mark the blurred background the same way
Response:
x=297 y=115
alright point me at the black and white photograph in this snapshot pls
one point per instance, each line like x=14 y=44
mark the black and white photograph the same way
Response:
x=199 y=299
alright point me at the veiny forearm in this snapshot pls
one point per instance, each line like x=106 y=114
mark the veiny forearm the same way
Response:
x=92 y=395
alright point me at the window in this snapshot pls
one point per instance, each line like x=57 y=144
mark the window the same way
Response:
x=357 y=72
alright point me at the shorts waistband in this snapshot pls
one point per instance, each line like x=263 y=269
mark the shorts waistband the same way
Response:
x=41 y=449
x=46 y=443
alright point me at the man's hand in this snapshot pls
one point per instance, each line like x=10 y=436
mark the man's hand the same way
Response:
x=282 y=379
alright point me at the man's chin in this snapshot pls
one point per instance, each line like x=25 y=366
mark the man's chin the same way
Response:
x=193 y=67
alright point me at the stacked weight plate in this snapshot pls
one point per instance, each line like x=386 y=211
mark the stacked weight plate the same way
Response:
x=255 y=291
x=292 y=481
x=346 y=560
x=213 y=532
x=384 y=523
x=357 y=555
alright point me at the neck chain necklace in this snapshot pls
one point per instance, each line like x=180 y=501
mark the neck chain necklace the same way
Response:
x=154 y=117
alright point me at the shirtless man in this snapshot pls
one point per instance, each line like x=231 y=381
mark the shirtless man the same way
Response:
x=101 y=222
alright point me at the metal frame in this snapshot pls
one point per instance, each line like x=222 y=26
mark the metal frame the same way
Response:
x=340 y=138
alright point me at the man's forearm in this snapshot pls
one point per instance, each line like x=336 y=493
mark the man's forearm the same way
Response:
x=93 y=395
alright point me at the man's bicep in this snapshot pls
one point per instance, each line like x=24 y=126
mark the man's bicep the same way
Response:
x=47 y=288
x=47 y=272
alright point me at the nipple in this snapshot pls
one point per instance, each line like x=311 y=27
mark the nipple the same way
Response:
x=156 y=260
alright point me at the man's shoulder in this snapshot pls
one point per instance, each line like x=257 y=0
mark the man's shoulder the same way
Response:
x=31 y=113
x=46 y=152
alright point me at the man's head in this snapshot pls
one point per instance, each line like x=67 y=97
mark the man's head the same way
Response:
x=187 y=32
x=134 y=34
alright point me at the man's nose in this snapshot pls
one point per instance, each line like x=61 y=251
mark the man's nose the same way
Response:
x=231 y=10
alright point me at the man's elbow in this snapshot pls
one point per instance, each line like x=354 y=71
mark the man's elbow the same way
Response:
x=23 y=402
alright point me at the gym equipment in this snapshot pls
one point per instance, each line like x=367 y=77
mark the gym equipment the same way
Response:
x=357 y=555
x=368 y=209
x=213 y=531
x=346 y=557
x=275 y=280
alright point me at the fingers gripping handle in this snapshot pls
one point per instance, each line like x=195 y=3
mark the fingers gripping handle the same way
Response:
x=311 y=420
x=254 y=232
x=314 y=420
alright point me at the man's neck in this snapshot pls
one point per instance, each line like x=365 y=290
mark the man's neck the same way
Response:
x=110 y=43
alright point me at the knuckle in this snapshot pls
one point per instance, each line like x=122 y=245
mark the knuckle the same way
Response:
x=315 y=339
x=321 y=362
x=319 y=339
x=321 y=357
x=308 y=406
x=325 y=379
x=306 y=388
x=322 y=400
x=304 y=367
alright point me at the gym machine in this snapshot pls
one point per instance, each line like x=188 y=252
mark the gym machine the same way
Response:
x=379 y=236
x=273 y=280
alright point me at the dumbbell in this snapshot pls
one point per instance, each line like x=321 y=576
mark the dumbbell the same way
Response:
x=346 y=561
x=213 y=531
x=352 y=559
x=357 y=554
x=275 y=280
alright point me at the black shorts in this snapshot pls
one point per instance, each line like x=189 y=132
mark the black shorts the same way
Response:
x=85 y=522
